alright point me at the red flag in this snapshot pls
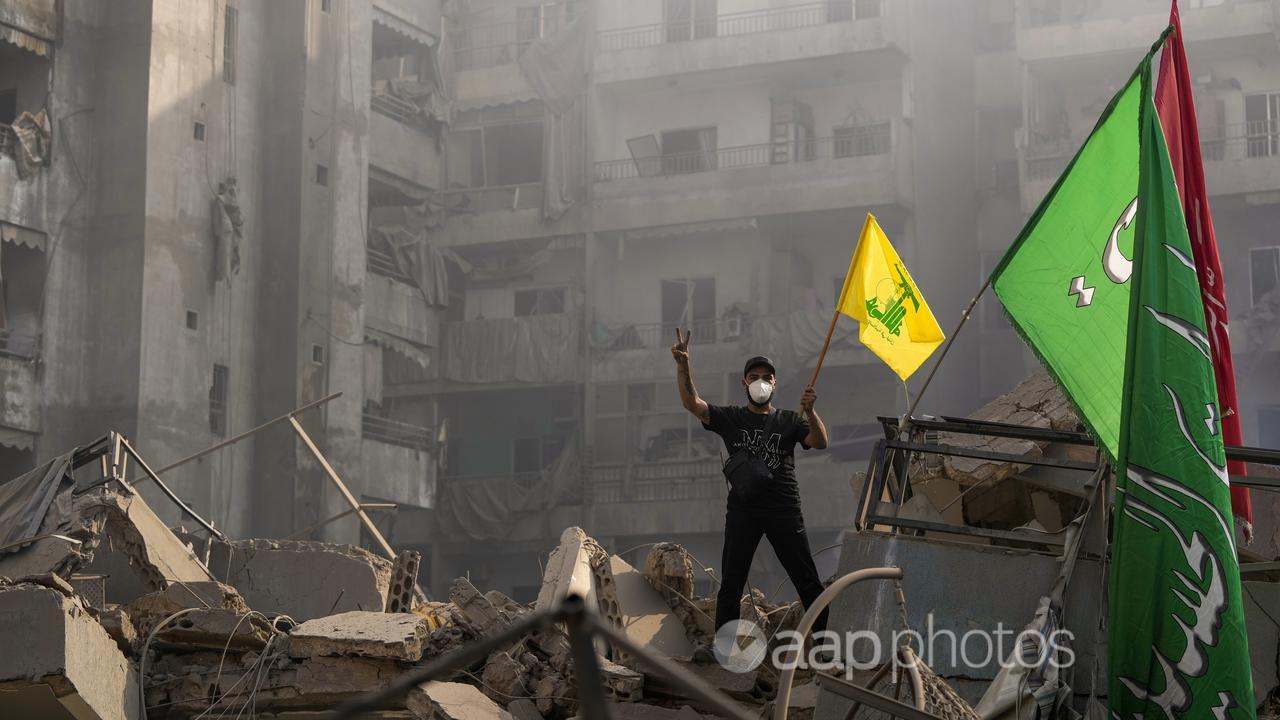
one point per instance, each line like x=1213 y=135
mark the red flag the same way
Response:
x=1176 y=106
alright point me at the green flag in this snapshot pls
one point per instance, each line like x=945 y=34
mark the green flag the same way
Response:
x=1177 y=644
x=1064 y=282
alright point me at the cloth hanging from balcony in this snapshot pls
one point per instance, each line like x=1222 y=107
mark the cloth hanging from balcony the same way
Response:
x=417 y=259
x=558 y=69
x=420 y=356
x=489 y=508
x=228 y=224
x=32 y=136
x=24 y=501
x=537 y=349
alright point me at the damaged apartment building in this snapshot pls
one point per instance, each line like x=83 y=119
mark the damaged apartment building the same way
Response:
x=482 y=221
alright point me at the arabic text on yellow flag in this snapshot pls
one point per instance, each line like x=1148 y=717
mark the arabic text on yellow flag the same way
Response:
x=894 y=320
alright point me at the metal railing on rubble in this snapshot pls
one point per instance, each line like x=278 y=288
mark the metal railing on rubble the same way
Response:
x=739 y=23
x=857 y=141
x=888 y=481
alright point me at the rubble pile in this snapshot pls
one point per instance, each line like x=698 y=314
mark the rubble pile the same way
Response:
x=122 y=618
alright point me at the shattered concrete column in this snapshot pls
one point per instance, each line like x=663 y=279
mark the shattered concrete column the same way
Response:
x=569 y=569
x=60 y=661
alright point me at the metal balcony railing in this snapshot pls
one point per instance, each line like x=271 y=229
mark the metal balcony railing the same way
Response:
x=394 y=432
x=858 y=141
x=493 y=44
x=1242 y=141
x=395 y=108
x=381 y=263
x=7 y=140
x=730 y=24
x=526 y=196
x=649 y=335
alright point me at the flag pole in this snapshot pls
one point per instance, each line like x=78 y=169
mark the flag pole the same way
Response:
x=968 y=311
x=825 y=343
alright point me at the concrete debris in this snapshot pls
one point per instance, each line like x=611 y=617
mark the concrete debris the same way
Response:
x=569 y=568
x=60 y=662
x=301 y=578
x=404 y=581
x=395 y=636
x=524 y=709
x=669 y=570
x=118 y=625
x=644 y=614
x=504 y=677
x=620 y=711
x=453 y=701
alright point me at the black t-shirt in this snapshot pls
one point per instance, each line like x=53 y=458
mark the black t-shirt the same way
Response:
x=739 y=427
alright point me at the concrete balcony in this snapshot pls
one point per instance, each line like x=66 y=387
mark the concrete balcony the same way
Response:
x=400 y=146
x=733 y=40
x=396 y=462
x=1059 y=30
x=872 y=170
x=497 y=213
x=394 y=305
x=20 y=400
x=1242 y=160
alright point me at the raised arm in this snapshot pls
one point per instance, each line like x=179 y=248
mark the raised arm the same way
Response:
x=688 y=393
x=817 y=437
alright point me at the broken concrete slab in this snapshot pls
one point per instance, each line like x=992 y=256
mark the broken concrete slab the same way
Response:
x=118 y=625
x=646 y=618
x=524 y=709
x=107 y=530
x=395 y=636
x=739 y=686
x=453 y=701
x=303 y=579
x=147 y=611
x=64 y=650
x=504 y=677
x=476 y=608
x=568 y=569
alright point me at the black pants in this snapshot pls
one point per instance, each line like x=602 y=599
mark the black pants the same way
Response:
x=785 y=531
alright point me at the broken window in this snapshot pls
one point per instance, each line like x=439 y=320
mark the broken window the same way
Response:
x=497 y=155
x=644 y=422
x=229 y=29
x=862 y=140
x=540 y=301
x=22 y=275
x=8 y=106
x=218 y=400
x=691 y=304
x=1264 y=272
x=688 y=151
x=690 y=19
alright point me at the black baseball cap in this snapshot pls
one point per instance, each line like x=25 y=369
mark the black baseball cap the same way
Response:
x=756 y=362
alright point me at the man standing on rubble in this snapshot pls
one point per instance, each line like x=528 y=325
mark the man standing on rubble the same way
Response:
x=772 y=509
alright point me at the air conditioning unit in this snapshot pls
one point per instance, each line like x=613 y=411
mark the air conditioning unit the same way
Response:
x=732 y=328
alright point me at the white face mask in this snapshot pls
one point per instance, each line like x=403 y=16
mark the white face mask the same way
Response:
x=760 y=391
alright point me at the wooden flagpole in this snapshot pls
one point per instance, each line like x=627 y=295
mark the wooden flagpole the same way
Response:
x=825 y=343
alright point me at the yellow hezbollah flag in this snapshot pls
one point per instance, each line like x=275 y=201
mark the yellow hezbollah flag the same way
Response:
x=879 y=293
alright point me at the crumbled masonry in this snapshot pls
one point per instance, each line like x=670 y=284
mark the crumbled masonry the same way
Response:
x=289 y=629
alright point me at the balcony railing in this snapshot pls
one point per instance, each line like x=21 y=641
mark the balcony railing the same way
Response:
x=7 y=140
x=526 y=196
x=381 y=263
x=649 y=335
x=395 y=108
x=730 y=24
x=24 y=346
x=394 y=432
x=860 y=141
x=1243 y=141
